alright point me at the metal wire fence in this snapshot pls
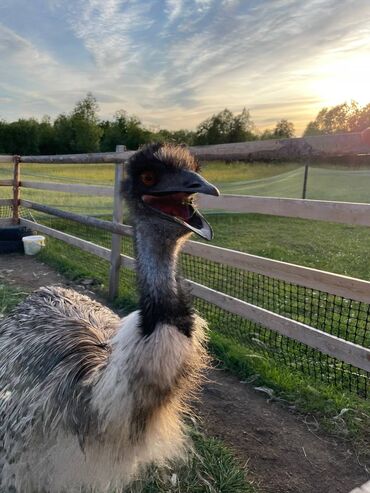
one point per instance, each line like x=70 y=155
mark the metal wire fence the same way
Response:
x=336 y=315
x=343 y=317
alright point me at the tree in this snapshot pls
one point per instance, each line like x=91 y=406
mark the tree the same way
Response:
x=177 y=136
x=267 y=134
x=345 y=117
x=79 y=131
x=360 y=120
x=224 y=127
x=47 y=140
x=22 y=137
x=283 y=130
x=125 y=129
x=242 y=127
x=3 y=136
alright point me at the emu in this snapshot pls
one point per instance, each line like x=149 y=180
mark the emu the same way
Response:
x=88 y=400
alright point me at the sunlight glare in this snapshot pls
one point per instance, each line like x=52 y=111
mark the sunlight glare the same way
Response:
x=343 y=80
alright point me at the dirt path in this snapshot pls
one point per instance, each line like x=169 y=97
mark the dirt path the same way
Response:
x=283 y=455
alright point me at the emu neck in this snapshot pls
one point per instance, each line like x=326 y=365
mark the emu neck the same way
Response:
x=162 y=299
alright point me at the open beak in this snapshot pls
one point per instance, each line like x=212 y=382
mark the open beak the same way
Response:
x=173 y=198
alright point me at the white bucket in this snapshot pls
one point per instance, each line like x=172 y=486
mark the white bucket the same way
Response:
x=33 y=244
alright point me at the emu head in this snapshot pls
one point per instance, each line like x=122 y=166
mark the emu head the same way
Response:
x=159 y=188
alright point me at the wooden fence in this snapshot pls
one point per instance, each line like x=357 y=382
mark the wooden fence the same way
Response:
x=335 y=284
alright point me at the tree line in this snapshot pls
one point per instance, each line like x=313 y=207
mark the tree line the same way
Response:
x=82 y=130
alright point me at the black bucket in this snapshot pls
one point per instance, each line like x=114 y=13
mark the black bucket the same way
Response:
x=11 y=238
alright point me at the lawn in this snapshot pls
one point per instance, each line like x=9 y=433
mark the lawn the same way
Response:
x=312 y=383
x=325 y=181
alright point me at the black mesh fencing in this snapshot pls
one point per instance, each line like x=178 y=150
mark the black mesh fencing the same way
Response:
x=6 y=212
x=342 y=317
x=345 y=318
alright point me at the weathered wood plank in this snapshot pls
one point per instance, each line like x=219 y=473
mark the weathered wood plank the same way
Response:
x=6 y=183
x=92 y=158
x=339 y=212
x=333 y=346
x=4 y=222
x=79 y=218
x=6 y=202
x=348 y=352
x=298 y=148
x=328 y=282
x=128 y=262
x=16 y=189
x=6 y=159
x=115 y=260
x=87 y=246
x=96 y=190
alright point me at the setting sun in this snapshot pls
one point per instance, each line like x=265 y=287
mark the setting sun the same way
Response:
x=343 y=79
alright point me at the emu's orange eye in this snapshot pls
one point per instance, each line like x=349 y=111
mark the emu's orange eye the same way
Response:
x=148 y=178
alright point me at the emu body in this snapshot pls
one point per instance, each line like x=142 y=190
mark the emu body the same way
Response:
x=88 y=400
x=102 y=403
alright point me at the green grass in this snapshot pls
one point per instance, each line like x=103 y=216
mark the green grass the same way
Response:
x=220 y=172
x=9 y=298
x=210 y=468
x=333 y=247
x=249 y=352
x=325 y=181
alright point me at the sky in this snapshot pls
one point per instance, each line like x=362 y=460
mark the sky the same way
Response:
x=174 y=63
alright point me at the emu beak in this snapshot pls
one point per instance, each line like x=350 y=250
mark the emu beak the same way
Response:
x=172 y=198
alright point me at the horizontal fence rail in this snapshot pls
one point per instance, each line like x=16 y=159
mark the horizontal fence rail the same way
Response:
x=283 y=308
x=298 y=148
x=335 y=284
x=322 y=210
x=97 y=190
x=6 y=202
x=121 y=229
x=329 y=282
x=91 y=158
x=333 y=346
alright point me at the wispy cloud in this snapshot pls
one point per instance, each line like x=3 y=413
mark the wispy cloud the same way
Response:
x=173 y=9
x=174 y=62
x=107 y=28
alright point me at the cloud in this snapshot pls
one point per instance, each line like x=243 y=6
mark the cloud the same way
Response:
x=29 y=76
x=173 y=9
x=106 y=27
x=175 y=62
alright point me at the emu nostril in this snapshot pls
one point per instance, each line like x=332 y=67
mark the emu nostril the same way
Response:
x=195 y=185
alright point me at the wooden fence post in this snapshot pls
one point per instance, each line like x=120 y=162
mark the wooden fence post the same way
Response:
x=115 y=259
x=305 y=177
x=16 y=189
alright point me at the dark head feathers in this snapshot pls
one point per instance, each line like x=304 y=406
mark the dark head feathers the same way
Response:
x=169 y=155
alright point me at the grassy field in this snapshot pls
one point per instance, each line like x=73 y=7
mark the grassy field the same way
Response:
x=325 y=182
x=333 y=247
x=209 y=468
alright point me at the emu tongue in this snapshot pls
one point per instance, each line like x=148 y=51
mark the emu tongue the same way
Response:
x=173 y=204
